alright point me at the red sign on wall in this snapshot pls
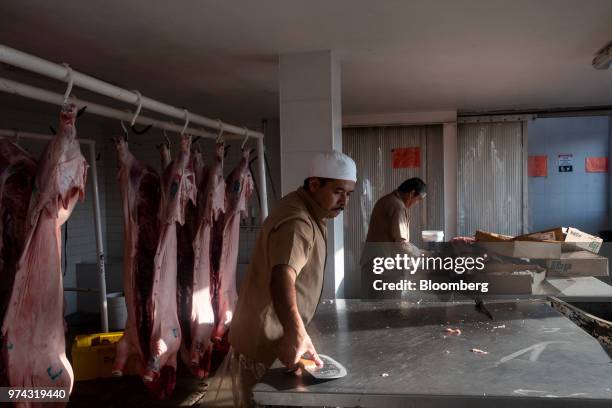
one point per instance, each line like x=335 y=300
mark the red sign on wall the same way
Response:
x=405 y=157
x=537 y=166
x=596 y=165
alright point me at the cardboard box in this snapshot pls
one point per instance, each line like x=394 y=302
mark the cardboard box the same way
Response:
x=525 y=249
x=497 y=267
x=550 y=235
x=587 y=287
x=578 y=239
x=554 y=234
x=536 y=245
x=516 y=281
x=484 y=236
x=576 y=264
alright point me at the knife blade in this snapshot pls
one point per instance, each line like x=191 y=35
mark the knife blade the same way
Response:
x=483 y=309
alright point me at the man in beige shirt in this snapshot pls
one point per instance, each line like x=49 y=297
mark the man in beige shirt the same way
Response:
x=284 y=281
x=389 y=231
x=390 y=221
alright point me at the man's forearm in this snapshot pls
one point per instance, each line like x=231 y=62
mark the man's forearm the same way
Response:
x=282 y=289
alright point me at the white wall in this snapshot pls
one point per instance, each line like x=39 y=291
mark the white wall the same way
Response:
x=577 y=199
x=307 y=107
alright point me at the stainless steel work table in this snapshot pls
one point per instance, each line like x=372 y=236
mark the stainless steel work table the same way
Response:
x=398 y=354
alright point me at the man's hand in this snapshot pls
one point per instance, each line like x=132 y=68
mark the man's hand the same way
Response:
x=294 y=345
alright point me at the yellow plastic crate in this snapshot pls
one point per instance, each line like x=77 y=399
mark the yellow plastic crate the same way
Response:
x=93 y=356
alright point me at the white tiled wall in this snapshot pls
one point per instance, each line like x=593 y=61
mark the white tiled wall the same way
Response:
x=577 y=198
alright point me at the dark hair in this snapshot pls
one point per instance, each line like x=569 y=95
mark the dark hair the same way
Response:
x=413 y=184
x=322 y=180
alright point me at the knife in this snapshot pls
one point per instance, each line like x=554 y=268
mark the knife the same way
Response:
x=482 y=308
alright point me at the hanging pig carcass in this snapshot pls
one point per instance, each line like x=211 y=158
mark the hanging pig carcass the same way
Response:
x=186 y=236
x=178 y=187
x=34 y=349
x=139 y=185
x=237 y=194
x=211 y=202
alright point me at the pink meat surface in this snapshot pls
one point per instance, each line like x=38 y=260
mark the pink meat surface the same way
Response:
x=166 y=156
x=33 y=331
x=186 y=236
x=178 y=187
x=211 y=203
x=17 y=172
x=140 y=193
x=237 y=194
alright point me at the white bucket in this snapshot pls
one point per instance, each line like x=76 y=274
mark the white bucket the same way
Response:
x=432 y=236
x=117 y=311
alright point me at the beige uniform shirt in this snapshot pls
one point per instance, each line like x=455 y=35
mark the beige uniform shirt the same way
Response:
x=389 y=221
x=294 y=234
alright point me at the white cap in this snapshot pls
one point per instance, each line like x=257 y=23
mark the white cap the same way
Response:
x=333 y=165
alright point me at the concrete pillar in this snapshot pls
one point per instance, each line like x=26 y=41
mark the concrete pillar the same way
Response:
x=310 y=122
x=449 y=137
